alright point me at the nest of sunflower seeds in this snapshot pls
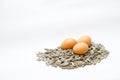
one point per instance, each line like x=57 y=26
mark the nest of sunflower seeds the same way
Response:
x=66 y=59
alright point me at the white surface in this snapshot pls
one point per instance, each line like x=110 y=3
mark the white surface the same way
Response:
x=29 y=26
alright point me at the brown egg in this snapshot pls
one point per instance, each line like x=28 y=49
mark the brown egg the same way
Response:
x=68 y=43
x=80 y=48
x=86 y=39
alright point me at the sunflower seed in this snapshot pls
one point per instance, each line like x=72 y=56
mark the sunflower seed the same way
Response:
x=66 y=59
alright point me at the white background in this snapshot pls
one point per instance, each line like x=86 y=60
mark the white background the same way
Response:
x=29 y=26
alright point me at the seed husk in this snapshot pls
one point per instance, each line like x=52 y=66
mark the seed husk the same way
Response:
x=66 y=59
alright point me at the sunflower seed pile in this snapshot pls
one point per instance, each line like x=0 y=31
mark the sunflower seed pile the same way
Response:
x=66 y=59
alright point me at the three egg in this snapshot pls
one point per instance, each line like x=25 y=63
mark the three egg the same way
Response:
x=79 y=46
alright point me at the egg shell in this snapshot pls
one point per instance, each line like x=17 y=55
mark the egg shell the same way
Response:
x=86 y=39
x=68 y=43
x=80 y=48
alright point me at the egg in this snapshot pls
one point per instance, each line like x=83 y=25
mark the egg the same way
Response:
x=68 y=43
x=86 y=39
x=80 y=48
